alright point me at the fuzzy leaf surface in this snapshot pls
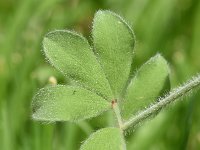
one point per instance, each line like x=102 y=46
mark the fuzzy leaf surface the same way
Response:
x=71 y=54
x=113 y=42
x=67 y=103
x=148 y=84
x=105 y=139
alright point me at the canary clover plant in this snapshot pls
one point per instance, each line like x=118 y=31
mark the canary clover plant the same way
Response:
x=103 y=81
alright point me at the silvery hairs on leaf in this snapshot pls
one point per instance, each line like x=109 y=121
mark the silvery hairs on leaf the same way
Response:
x=105 y=139
x=101 y=73
x=67 y=103
x=113 y=41
x=149 y=82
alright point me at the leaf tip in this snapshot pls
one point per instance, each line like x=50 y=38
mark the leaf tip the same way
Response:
x=102 y=13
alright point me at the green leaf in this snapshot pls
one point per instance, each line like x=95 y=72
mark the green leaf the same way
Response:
x=113 y=42
x=67 y=103
x=151 y=80
x=105 y=139
x=71 y=54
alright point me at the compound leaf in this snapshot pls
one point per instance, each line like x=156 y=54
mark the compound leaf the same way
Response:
x=71 y=54
x=105 y=139
x=149 y=82
x=113 y=42
x=67 y=103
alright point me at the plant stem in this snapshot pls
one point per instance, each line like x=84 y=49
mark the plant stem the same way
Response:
x=116 y=110
x=163 y=102
x=117 y=113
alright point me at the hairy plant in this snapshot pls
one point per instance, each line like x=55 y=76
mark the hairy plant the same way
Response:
x=102 y=81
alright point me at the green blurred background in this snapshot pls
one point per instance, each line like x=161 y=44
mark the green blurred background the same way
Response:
x=170 y=27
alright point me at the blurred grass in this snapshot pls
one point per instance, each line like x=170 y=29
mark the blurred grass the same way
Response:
x=170 y=27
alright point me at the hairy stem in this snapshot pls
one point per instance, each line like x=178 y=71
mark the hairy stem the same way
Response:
x=163 y=102
x=116 y=110
x=117 y=113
